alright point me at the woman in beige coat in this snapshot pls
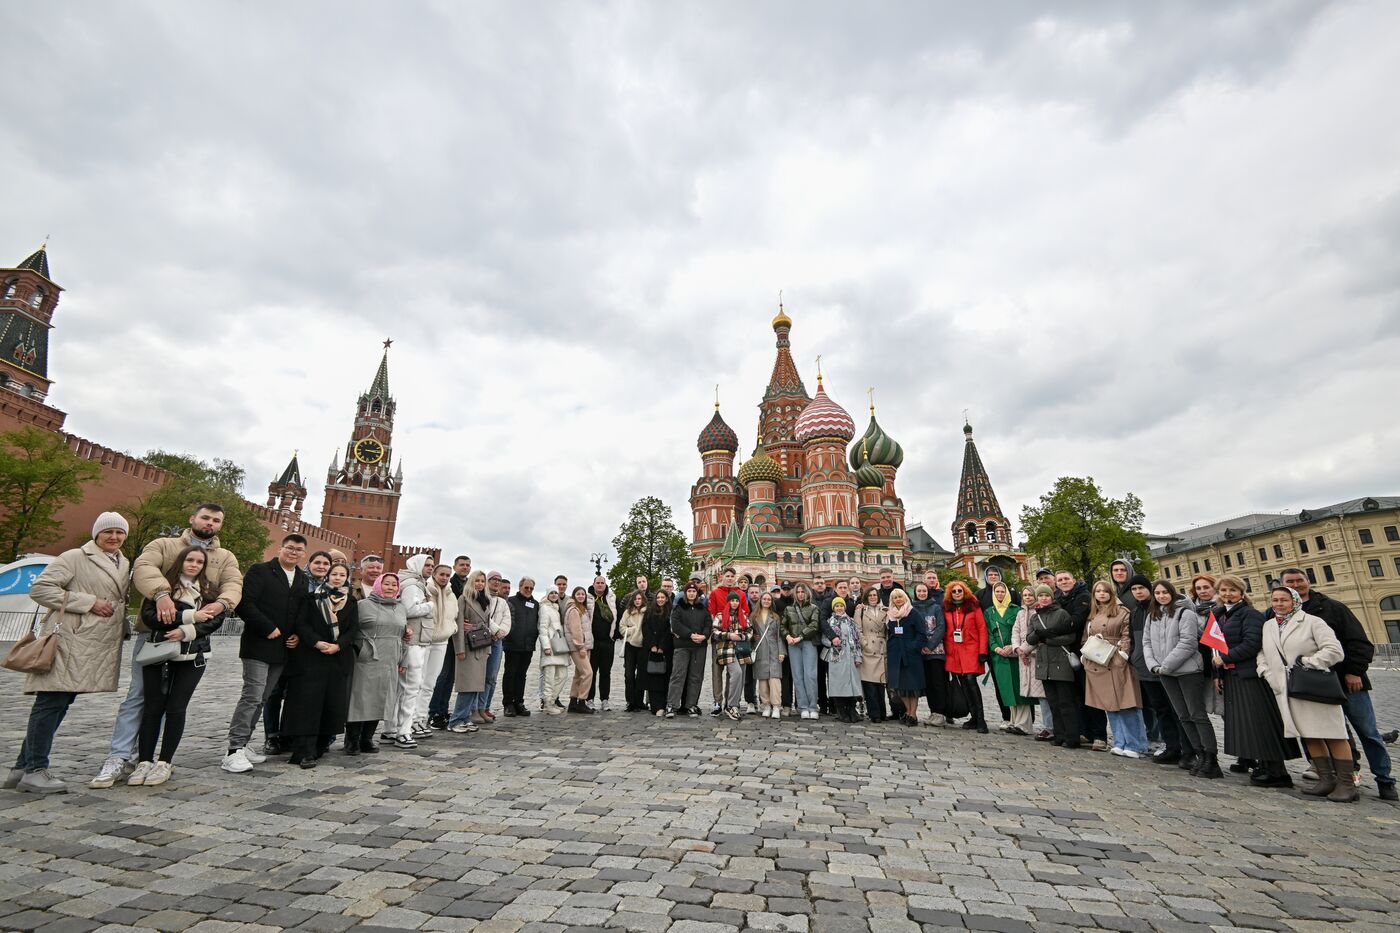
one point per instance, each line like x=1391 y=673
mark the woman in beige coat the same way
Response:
x=579 y=631
x=870 y=621
x=85 y=592
x=1294 y=637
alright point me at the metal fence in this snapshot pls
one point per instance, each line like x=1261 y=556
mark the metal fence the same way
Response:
x=13 y=625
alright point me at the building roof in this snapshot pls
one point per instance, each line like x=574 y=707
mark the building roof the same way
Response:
x=748 y=547
x=976 y=500
x=823 y=418
x=37 y=261
x=292 y=474
x=921 y=542
x=717 y=435
x=760 y=467
x=380 y=385
x=879 y=448
x=1253 y=523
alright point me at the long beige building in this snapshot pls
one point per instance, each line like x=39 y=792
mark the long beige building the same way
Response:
x=1350 y=551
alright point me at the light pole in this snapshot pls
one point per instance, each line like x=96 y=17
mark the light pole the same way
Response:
x=599 y=558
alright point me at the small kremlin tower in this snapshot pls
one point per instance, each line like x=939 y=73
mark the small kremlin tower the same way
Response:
x=981 y=532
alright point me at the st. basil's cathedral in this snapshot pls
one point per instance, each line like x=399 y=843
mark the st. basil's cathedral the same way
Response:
x=804 y=505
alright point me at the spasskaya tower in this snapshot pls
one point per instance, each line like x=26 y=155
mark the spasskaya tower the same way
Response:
x=362 y=495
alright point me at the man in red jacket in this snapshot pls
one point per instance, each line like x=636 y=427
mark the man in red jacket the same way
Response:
x=718 y=602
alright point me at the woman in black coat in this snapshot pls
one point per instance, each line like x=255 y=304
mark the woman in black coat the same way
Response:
x=1253 y=724
x=318 y=697
x=657 y=645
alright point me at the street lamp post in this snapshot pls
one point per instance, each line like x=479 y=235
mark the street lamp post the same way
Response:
x=599 y=558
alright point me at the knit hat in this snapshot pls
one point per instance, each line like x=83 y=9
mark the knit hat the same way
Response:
x=107 y=521
x=1042 y=590
x=1138 y=579
x=494 y=575
x=838 y=603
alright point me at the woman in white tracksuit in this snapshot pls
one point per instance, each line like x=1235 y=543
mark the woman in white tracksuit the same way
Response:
x=418 y=637
x=444 y=603
x=554 y=653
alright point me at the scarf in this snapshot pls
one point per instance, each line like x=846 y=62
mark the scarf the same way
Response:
x=601 y=607
x=895 y=614
x=483 y=600
x=1292 y=613
x=376 y=592
x=335 y=601
x=1001 y=604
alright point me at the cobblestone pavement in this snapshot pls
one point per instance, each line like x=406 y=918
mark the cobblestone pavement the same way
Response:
x=692 y=826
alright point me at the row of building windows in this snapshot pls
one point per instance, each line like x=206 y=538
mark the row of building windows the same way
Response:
x=35 y=300
x=1392 y=534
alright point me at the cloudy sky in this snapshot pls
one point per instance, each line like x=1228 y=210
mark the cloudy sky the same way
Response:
x=1159 y=245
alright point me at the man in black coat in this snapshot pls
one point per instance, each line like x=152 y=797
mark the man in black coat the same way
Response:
x=1073 y=597
x=888 y=586
x=1357 y=654
x=519 y=646
x=633 y=657
x=274 y=592
x=993 y=577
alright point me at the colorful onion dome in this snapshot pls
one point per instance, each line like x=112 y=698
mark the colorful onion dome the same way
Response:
x=823 y=418
x=867 y=475
x=760 y=467
x=717 y=436
x=883 y=450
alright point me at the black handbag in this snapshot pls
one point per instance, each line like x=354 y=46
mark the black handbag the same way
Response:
x=1307 y=683
x=479 y=637
x=656 y=666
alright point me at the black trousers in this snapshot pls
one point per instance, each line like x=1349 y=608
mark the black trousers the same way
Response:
x=936 y=684
x=972 y=693
x=272 y=708
x=787 y=682
x=823 y=701
x=168 y=688
x=442 y=690
x=1093 y=722
x=1064 y=708
x=874 y=701
x=633 y=674
x=750 y=686
x=360 y=734
x=517 y=665
x=1154 y=698
x=601 y=657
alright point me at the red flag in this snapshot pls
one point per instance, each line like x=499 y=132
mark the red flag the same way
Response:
x=1212 y=637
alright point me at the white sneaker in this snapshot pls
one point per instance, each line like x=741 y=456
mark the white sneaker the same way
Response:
x=112 y=769
x=1128 y=753
x=606 y=706
x=159 y=773
x=236 y=763
x=777 y=713
x=256 y=757
x=138 y=777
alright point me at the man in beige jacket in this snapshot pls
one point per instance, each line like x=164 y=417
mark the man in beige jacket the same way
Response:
x=148 y=574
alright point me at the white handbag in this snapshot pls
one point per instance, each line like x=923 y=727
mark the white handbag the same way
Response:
x=1099 y=649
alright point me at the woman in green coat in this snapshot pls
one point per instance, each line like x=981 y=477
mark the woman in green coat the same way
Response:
x=1005 y=664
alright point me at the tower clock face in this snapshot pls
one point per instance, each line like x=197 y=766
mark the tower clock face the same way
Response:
x=368 y=450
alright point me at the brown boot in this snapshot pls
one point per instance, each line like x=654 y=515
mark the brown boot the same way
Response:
x=1345 y=791
x=1326 y=778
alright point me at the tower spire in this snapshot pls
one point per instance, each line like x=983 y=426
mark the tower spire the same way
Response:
x=380 y=385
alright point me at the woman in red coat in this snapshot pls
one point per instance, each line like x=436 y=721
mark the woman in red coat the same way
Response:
x=965 y=644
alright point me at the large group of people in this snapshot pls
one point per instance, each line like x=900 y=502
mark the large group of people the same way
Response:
x=1125 y=665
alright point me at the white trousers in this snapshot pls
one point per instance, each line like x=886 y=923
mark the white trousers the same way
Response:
x=410 y=684
x=552 y=678
x=432 y=667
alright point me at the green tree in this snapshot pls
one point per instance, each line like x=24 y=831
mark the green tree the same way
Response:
x=648 y=544
x=1076 y=528
x=192 y=482
x=39 y=475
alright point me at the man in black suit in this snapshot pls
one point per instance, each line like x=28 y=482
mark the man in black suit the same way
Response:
x=273 y=593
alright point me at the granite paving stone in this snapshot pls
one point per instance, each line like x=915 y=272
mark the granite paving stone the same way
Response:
x=611 y=821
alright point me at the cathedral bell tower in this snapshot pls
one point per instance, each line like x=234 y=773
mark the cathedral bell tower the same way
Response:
x=28 y=299
x=362 y=494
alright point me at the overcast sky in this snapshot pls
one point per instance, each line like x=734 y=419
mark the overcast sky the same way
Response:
x=1158 y=245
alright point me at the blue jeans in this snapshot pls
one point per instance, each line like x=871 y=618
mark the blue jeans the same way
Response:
x=803 y=658
x=45 y=716
x=1047 y=720
x=1362 y=716
x=128 y=725
x=1129 y=731
x=493 y=670
x=467 y=703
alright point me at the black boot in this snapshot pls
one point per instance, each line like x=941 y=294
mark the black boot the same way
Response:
x=1209 y=766
x=520 y=710
x=367 y=738
x=1189 y=758
x=1271 y=774
x=1167 y=756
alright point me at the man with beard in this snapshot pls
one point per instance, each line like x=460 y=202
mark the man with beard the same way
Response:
x=148 y=573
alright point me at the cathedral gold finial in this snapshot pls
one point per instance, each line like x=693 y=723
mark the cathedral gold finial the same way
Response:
x=781 y=319
x=871 y=392
x=819 y=370
x=716 y=396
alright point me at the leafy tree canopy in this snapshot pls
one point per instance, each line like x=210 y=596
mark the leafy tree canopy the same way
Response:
x=39 y=475
x=193 y=482
x=1075 y=527
x=648 y=544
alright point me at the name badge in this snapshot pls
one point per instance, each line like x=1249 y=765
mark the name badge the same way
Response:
x=957 y=637
x=899 y=630
x=529 y=605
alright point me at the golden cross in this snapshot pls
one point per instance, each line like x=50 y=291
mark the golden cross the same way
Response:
x=716 y=396
x=871 y=392
x=819 y=367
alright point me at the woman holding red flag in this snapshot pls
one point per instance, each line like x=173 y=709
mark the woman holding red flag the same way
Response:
x=965 y=644
x=1253 y=723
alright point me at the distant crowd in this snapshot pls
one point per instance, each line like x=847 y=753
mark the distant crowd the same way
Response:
x=1124 y=665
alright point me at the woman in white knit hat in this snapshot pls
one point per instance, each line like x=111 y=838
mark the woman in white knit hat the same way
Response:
x=84 y=590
